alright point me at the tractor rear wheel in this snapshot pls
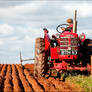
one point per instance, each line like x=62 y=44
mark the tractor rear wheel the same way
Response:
x=87 y=50
x=40 y=58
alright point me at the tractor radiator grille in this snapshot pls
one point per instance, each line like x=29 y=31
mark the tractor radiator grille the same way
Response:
x=64 y=42
x=73 y=43
x=64 y=39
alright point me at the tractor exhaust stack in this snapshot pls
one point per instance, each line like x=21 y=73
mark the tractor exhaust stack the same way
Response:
x=75 y=22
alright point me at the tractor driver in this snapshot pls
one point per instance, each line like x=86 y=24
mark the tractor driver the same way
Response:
x=70 y=23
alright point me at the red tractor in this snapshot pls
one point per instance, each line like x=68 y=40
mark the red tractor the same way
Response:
x=61 y=54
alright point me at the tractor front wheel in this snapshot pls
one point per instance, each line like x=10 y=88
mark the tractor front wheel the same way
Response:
x=40 y=58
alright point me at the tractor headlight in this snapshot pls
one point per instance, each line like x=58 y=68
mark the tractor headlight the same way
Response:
x=74 y=52
x=62 y=52
x=82 y=36
x=69 y=48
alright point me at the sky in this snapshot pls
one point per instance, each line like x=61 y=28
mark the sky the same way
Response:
x=22 y=21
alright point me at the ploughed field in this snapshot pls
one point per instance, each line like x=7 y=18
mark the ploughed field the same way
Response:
x=17 y=78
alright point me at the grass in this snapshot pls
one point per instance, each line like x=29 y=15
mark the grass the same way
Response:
x=84 y=82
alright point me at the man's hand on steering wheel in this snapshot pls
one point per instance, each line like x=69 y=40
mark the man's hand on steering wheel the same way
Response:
x=61 y=27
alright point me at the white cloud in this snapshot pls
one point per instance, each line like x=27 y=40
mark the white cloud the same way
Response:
x=1 y=42
x=14 y=12
x=33 y=13
x=16 y=48
x=84 y=10
x=6 y=29
x=27 y=38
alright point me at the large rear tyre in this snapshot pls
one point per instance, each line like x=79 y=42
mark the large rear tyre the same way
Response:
x=87 y=52
x=40 y=58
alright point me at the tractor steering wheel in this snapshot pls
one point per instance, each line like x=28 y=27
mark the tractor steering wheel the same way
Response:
x=59 y=27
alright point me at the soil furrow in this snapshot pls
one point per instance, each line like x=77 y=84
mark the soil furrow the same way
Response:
x=48 y=86
x=2 y=77
x=1 y=66
x=8 y=86
x=17 y=85
x=25 y=83
x=33 y=82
